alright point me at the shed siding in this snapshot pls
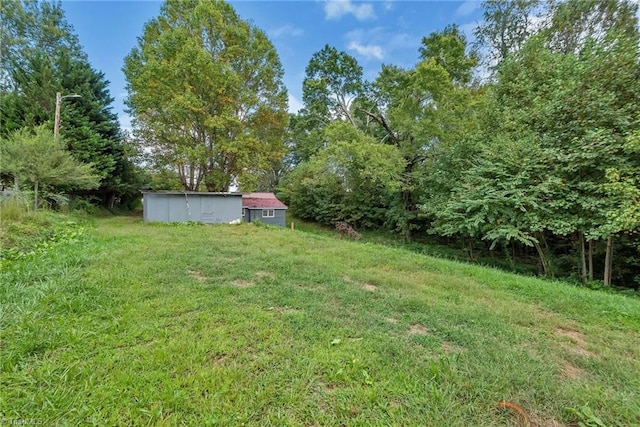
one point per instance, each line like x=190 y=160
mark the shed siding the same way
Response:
x=256 y=214
x=205 y=208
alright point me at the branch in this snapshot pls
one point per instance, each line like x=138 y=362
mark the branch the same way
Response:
x=382 y=122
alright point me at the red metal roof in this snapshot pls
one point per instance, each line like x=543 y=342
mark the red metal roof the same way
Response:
x=262 y=201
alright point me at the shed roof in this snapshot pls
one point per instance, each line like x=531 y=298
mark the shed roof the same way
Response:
x=262 y=201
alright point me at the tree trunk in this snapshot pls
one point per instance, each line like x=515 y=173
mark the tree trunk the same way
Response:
x=583 y=256
x=608 y=262
x=591 y=249
x=543 y=259
x=35 y=196
x=16 y=183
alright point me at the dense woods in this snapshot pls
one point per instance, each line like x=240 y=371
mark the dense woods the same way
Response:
x=523 y=144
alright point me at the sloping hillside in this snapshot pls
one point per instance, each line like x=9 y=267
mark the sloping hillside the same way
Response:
x=227 y=325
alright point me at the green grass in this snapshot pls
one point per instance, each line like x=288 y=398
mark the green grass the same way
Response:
x=427 y=245
x=139 y=324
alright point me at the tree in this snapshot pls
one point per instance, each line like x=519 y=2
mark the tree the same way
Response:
x=507 y=25
x=420 y=109
x=40 y=55
x=42 y=161
x=206 y=92
x=333 y=81
x=350 y=180
x=573 y=97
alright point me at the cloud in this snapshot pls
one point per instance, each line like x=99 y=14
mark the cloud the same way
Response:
x=369 y=51
x=286 y=30
x=382 y=43
x=294 y=104
x=466 y=9
x=336 y=9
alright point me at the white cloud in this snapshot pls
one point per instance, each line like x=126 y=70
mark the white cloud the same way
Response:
x=294 y=104
x=381 y=43
x=466 y=8
x=369 y=51
x=336 y=9
x=286 y=30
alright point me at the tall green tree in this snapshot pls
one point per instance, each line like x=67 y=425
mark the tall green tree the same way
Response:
x=206 y=92
x=332 y=83
x=418 y=110
x=41 y=55
x=573 y=97
x=351 y=180
x=506 y=27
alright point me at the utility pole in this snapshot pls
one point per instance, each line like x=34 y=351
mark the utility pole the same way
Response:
x=56 y=123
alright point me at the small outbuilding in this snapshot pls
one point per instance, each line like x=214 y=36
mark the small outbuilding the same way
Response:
x=264 y=207
x=183 y=206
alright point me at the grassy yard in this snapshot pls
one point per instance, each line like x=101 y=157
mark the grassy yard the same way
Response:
x=139 y=324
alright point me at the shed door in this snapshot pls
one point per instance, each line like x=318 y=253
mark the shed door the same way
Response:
x=207 y=207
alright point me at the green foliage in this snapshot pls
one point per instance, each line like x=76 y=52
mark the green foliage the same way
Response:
x=547 y=162
x=450 y=51
x=206 y=92
x=586 y=417
x=349 y=180
x=333 y=81
x=40 y=55
x=420 y=110
x=14 y=205
x=507 y=26
x=43 y=162
x=31 y=234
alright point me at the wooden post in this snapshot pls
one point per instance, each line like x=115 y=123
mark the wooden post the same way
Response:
x=292 y=226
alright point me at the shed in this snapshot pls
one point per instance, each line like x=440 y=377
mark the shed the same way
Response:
x=182 y=206
x=264 y=207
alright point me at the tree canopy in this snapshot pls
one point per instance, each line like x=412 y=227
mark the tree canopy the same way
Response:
x=43 y=161
x=206 y=93
x=39 y=56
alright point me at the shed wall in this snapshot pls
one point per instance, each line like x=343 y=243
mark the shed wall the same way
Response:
x=205 y=208
x=256 y=214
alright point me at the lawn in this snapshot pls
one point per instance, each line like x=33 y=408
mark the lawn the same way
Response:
x=142 y=324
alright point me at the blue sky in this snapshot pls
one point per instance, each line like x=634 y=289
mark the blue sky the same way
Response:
x=374 y=32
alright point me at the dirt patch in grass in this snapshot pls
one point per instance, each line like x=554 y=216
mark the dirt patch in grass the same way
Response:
x=239 y=283
x=218 y=359
x=369 y=287
x=450 y=348
x=310 y=287
x=418 y=329
x=268 y=274
x=570 y=371
x=284 y=310
x=537 y=421
x=197 y=275
x=391 y=320
x=579 y=342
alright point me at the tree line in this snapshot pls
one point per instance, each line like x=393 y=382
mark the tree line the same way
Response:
x=537 y=157
x=40 y=56
x=525 y=143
